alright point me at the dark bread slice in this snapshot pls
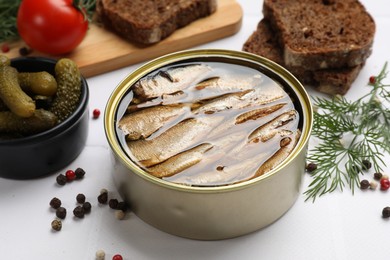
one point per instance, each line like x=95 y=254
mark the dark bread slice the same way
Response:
x=331 y=81
x=150 y=21
x=321 y=34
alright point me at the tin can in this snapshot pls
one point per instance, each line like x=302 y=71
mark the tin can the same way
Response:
x=219 y=212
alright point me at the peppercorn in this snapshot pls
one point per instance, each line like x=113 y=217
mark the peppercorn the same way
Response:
x=373 y=185
x=364 y=184
x=117 y=257
x=79 y=173
x=385 y=184
x=311 y=167
x=366 y=165
x=61 y=212
x=80 y=198
x=56 y=225
x=103 y=191
x=100 y=254
x=377 y=176
x=103 y=197
x=113 y=203
x=70 y=175
x=119 y=214
x=87 y=207
x=79 y=212
x=5 y=47
x=122 y=206
x=55 y=203
x=372 y=80
x=386 y=212
x=24 y=51
x=96 y=113
x=61 y=179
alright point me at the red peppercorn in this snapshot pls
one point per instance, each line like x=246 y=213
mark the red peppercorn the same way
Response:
x=117 y=257
x=385 y=184
x=372 y=80
x=96 y=113
x=5 y=47
x=70 y=175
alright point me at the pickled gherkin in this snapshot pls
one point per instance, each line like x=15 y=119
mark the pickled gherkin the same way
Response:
x=12 y=95
x=40 y=121
x=68 y=92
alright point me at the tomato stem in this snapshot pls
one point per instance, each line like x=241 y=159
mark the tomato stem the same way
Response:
x=76 y=4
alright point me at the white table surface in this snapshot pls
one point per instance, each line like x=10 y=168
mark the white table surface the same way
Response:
x=337 y=226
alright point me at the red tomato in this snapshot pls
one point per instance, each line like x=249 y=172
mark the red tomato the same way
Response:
x=51 y=26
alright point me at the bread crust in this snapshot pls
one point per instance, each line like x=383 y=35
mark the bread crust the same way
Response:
x=320 y=34
x=148 y=21
x=330 y=81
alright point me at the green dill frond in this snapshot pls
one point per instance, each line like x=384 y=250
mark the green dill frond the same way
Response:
x=349 y=133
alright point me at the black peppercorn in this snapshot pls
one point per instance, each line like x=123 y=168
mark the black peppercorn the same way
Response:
x=364 y=184
x=122 y=206
x=378 y=176
x=113 y=203
x=386 y=212
x=24 y=51
x=61 y=179
x=366 y=165
x=103 y=197
x=311 y=167
x=87 y=207
x=61 y=212
x=56 y=225
x=79 y=173
x=80 y=198
x=55 y=203
x=79 y=212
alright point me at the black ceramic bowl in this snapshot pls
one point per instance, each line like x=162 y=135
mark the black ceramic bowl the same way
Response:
x=49 y=151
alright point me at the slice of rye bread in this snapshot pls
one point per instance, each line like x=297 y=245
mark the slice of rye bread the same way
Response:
x=321 y=34
x=150 y=21
x=331 y=81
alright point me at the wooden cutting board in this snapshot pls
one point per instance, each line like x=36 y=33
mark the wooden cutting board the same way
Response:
x=102 y=51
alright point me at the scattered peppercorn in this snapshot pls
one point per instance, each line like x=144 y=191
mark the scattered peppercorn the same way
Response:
x=87 y=207
x=61 y=179
x=79 y=173
x=113 y=203
x=310 y=167
x=61 y=212
x=373 y=185
x=386 y=212
x=385 y=184
x=55 y=203
x=117 y=257
x=366 y=165
x=372 y=80
x=24 y=51
x=122 y=206
x=96 y=113
x=103 y=197
x=56 y=225
x=364 y=184
x=377 y=176
x=103 y=191
x=5 y=47
x=70 y=175
x=119 y=214
x=100 y=255
x=80 y=198
x=79 y=212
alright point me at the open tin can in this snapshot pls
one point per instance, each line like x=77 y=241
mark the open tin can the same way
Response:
x=219 y=211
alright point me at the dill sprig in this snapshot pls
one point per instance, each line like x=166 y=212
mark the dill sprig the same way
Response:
x=9 y=12
x=349 y=132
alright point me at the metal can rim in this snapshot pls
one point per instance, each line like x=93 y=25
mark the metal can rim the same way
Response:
x=122 y=88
